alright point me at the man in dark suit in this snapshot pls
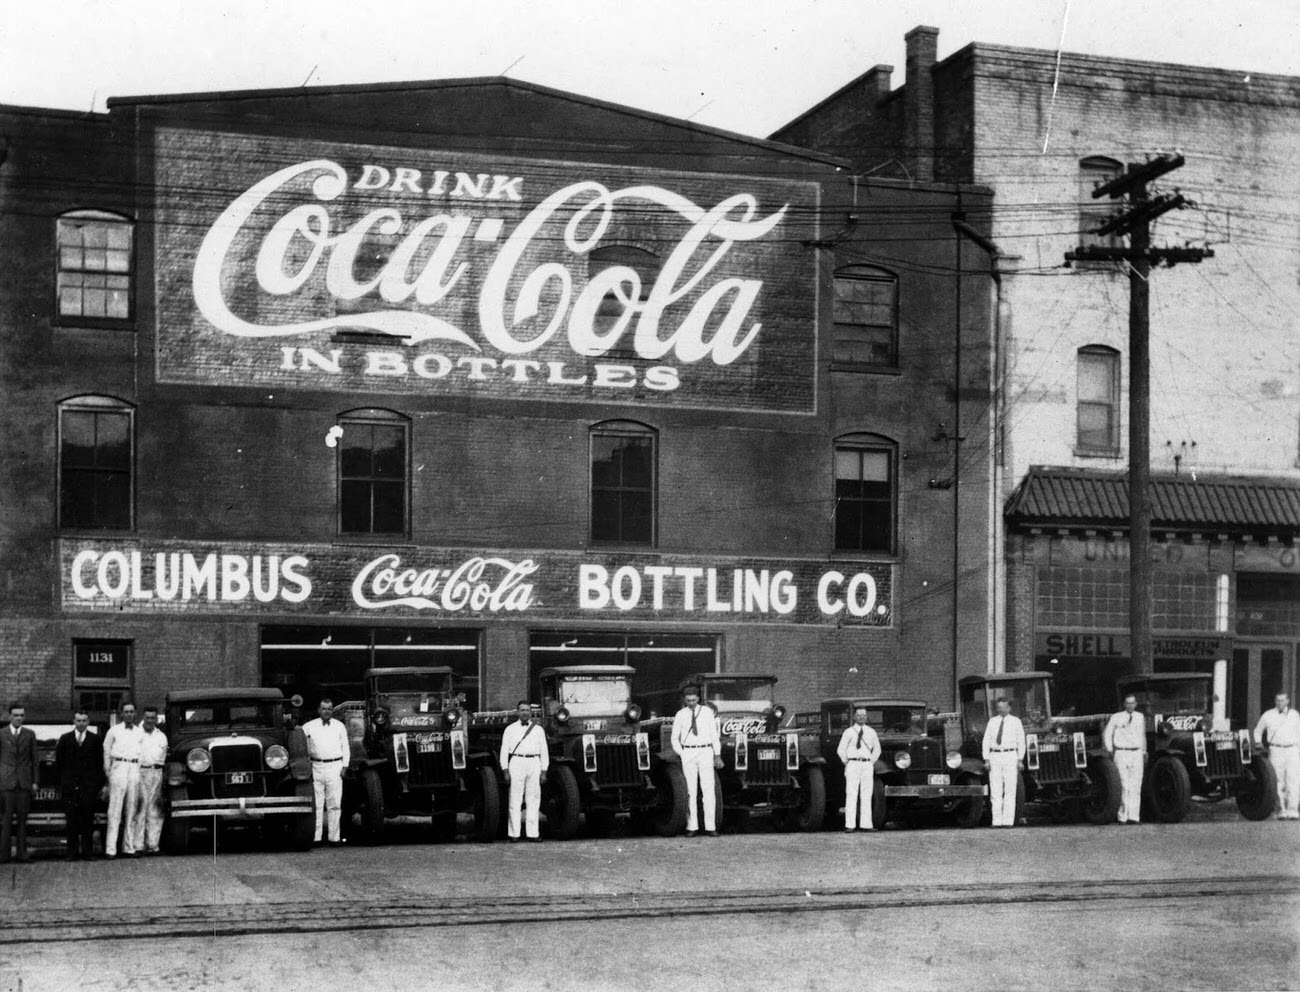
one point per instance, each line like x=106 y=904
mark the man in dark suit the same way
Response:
x=18 y=760
x=79 y=758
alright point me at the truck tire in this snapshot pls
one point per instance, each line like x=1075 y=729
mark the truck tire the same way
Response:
x=1257 y=791
x=371 y=808
x=879 y=809
x=970 y=810
x=811 y=811
x=303 y=826
x=719 y=806
x=561 y=802
x=1022 y=799
x=1101 y=804
x=178 y=836
x=488 y=821
x=668 y=817
x=1167 y=789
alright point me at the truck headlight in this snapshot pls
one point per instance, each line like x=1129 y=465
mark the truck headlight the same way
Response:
x=953 y=760
x=633 y=713
x=561 y=715
x=379 y=717
x=902 y=760
x=276 y=757
x=452 y=717
x=198 y=760
x=779 y=713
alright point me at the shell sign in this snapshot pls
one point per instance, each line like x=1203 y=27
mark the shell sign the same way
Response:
x=320 y=265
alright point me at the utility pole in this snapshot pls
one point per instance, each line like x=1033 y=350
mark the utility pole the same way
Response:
x=1142 y=209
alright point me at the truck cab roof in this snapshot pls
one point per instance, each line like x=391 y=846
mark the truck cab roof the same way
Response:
x=563 y=670
x=208 y=695
x=1144 y=678
x=410 y=670
x=871 y=702
x=1002 y=677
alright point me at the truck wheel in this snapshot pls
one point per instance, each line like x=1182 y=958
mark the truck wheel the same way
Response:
x=1101 y=804
x=1257 y=792
x=302 y=829
x=177 y=831
x=1022 y=798
x=812 y=810
x=371 y=806
x=488 y=821
x=970 y=810
x=719 y=807
x=561 y=802
x=668 y=817
x=1168 y=789
x=879 y=810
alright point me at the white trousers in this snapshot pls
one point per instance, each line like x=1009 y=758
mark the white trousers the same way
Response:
x=1129 y=764
x=149 y=812
x=859 y=784
x=327 y=783
x=1004 y=772
x=525 y=793
x=123 y=802
x=1286 y=764
x=697 y=766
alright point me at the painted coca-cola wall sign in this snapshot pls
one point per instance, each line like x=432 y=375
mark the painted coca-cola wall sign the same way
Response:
x=319 y=265
x=196 y=577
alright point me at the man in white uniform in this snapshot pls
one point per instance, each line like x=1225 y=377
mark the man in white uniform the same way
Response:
x=695 y=739
x=153 y=756
x=859 y=748
x=327 y=746
x=1125 y=740
x=1004 y=749
x=122 y=746
x=1280 y=729
x=524 y=762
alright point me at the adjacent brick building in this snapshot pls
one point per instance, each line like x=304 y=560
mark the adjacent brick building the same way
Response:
x=479 y=373
x=1042 y=130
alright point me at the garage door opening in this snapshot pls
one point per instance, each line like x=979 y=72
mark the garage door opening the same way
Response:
x=661 y=660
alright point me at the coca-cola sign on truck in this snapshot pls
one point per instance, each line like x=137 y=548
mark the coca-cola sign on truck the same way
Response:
x=310 y=264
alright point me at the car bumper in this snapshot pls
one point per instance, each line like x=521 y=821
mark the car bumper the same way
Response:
x=241 y=809
x=936 y=791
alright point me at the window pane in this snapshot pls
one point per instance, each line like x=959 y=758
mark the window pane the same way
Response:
x=638 y=469
x=390 y=452
x=113 y=441
x=848 y=489
x=78 y=439
x=848 y=464
x=354 y=455
x=604 y=463
x=604 y=516
x=637 y=518
x=1096 y=378
x=77 y=500
x=1095 y=426
x=113 y=500
x=847 y=525
x=390 y=507
x=875 y=466
x=119 y=237
x=354 y=509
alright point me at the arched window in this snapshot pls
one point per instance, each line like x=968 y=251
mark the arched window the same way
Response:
x=93 y=278
x=623 y=483
x=866 y=316
x=866 y=495
x=372 y=472
x=1093 y=171
x=1098 y=401
x=96 y=463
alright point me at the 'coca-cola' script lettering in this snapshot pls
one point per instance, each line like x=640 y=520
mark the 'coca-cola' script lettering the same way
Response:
x=478 y=585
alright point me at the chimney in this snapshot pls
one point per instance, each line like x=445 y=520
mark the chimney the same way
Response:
x=876 y=84
x=918 y=102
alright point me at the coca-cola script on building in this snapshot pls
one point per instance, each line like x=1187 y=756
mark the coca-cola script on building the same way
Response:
x=409 y=271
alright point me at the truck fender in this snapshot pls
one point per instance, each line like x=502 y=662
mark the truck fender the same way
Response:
x=814 y=760
x=668 y=757
x=973 y=766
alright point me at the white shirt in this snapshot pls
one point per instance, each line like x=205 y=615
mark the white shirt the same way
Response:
x=524 y=740
x=704 y=734
x=325 y=741
x=1125 y=730
x=122 y=743
x=850 y=748
x=153 y=747
x=1013 y=735
x=1282 y=728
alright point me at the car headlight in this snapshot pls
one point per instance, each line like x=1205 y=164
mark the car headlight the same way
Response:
x=779 y=713
x=452 y=717
x=276 y=757
x=902 y=760
x=561 y=715
x=380 y=717
x=633 y=713
x=198 y=760
x=953 y=760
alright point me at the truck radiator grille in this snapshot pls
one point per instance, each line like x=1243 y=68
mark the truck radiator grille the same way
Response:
x=616 y=765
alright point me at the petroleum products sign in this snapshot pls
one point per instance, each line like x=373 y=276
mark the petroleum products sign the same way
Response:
x=321 y=265
x=440 y=583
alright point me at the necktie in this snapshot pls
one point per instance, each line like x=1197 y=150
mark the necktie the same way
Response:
x=694 y=730
x=1130 y=720
x=1002 y=722
x=81 y=739
x=859 y=737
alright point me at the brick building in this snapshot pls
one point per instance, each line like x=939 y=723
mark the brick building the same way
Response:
x=1042 y=131
x=479 y=373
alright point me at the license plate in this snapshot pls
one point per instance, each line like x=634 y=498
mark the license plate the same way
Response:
x=46 y=794
x=769 y=754
x=939 y=780
x=432 y=748
x=1226 y=746
x=239 y=778
x=1049 y=748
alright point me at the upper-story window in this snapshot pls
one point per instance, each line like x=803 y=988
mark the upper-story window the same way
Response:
x=372 y=463
x=1098 y=396
x=865 y=493
x=1095 y=212
x=866 y=316
x=96 y=449
x=622 y=483
x=94 y=267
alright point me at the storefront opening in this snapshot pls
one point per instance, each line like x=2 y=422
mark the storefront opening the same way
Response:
x=661 y=660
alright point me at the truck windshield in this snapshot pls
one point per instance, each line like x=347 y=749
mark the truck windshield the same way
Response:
x=594 y=696
x=739 y=691
x=231 y=713
x=402 y=704
x=897 y=719
x=1029 y=700
x=414 y=682
x=1192 y=696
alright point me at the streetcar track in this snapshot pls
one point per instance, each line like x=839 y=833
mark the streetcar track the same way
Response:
x=306 y=916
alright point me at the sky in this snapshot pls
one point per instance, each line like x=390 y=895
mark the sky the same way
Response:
x=743 y=65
